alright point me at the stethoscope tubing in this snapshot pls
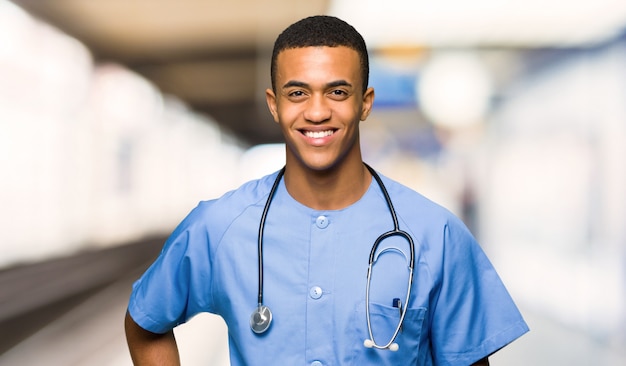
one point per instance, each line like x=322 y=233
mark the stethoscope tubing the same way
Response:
x=403 y=311
x=260 y=236
x=396 y=227
x=263 y=312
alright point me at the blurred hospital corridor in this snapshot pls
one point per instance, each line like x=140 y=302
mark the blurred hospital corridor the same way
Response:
x=117 y=118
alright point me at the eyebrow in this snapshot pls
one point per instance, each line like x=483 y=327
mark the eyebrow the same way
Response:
x=300 y=84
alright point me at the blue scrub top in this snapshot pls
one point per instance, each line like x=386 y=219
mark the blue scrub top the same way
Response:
x=315 y=274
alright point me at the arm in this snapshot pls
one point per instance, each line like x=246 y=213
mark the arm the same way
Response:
x=147 y=348
x=483 y=362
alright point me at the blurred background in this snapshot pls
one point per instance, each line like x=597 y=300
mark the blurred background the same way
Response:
x=117 y=117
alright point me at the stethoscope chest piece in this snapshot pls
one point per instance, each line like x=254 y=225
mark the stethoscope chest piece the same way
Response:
x=261 y=319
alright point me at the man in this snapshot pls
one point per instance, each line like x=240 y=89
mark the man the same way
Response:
x=300 y=243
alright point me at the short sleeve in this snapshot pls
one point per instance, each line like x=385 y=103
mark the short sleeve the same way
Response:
x=175 y=286
x=474 y=315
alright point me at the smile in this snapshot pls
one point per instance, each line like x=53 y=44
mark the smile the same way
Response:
x=318 y=134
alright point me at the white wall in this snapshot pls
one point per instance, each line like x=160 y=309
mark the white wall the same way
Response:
x=553 y=201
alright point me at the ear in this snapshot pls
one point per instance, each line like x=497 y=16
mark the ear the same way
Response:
x=270 y=98
x=368 y=102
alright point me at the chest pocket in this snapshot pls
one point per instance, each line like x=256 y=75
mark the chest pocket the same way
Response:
x=384 y=320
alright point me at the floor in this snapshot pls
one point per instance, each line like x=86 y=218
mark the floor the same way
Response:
x=92 y=334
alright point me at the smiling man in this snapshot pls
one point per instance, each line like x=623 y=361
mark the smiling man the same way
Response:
x=324 y=262
x=318 y=100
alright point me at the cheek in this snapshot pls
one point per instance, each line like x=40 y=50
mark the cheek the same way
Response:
x=350 y=115
x=287 y=114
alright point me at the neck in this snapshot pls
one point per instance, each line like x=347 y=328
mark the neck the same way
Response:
x=331 y=189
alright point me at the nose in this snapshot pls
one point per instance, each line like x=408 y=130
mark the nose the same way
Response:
x=317 y=110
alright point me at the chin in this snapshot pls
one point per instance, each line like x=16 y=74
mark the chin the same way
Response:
x=323 y=166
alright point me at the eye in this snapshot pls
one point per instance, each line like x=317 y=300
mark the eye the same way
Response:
x=296 y=95
x=338 y=94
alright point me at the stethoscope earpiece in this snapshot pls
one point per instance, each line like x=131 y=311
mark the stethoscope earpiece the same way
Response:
x=368 y=343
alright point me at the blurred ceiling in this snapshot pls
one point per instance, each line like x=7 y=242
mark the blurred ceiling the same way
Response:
x=214 y=55
x=484 y=23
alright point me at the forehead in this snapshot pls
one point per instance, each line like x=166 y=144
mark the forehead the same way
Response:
x=315 y=62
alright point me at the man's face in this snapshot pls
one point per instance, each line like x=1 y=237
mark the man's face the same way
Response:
x=319 y=104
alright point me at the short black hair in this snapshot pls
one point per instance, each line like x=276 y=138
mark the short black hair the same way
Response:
x=321 y=30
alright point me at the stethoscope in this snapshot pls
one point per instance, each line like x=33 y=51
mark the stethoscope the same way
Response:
x=261 y=317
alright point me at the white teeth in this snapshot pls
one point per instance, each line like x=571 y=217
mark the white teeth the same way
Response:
x=318 y=134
